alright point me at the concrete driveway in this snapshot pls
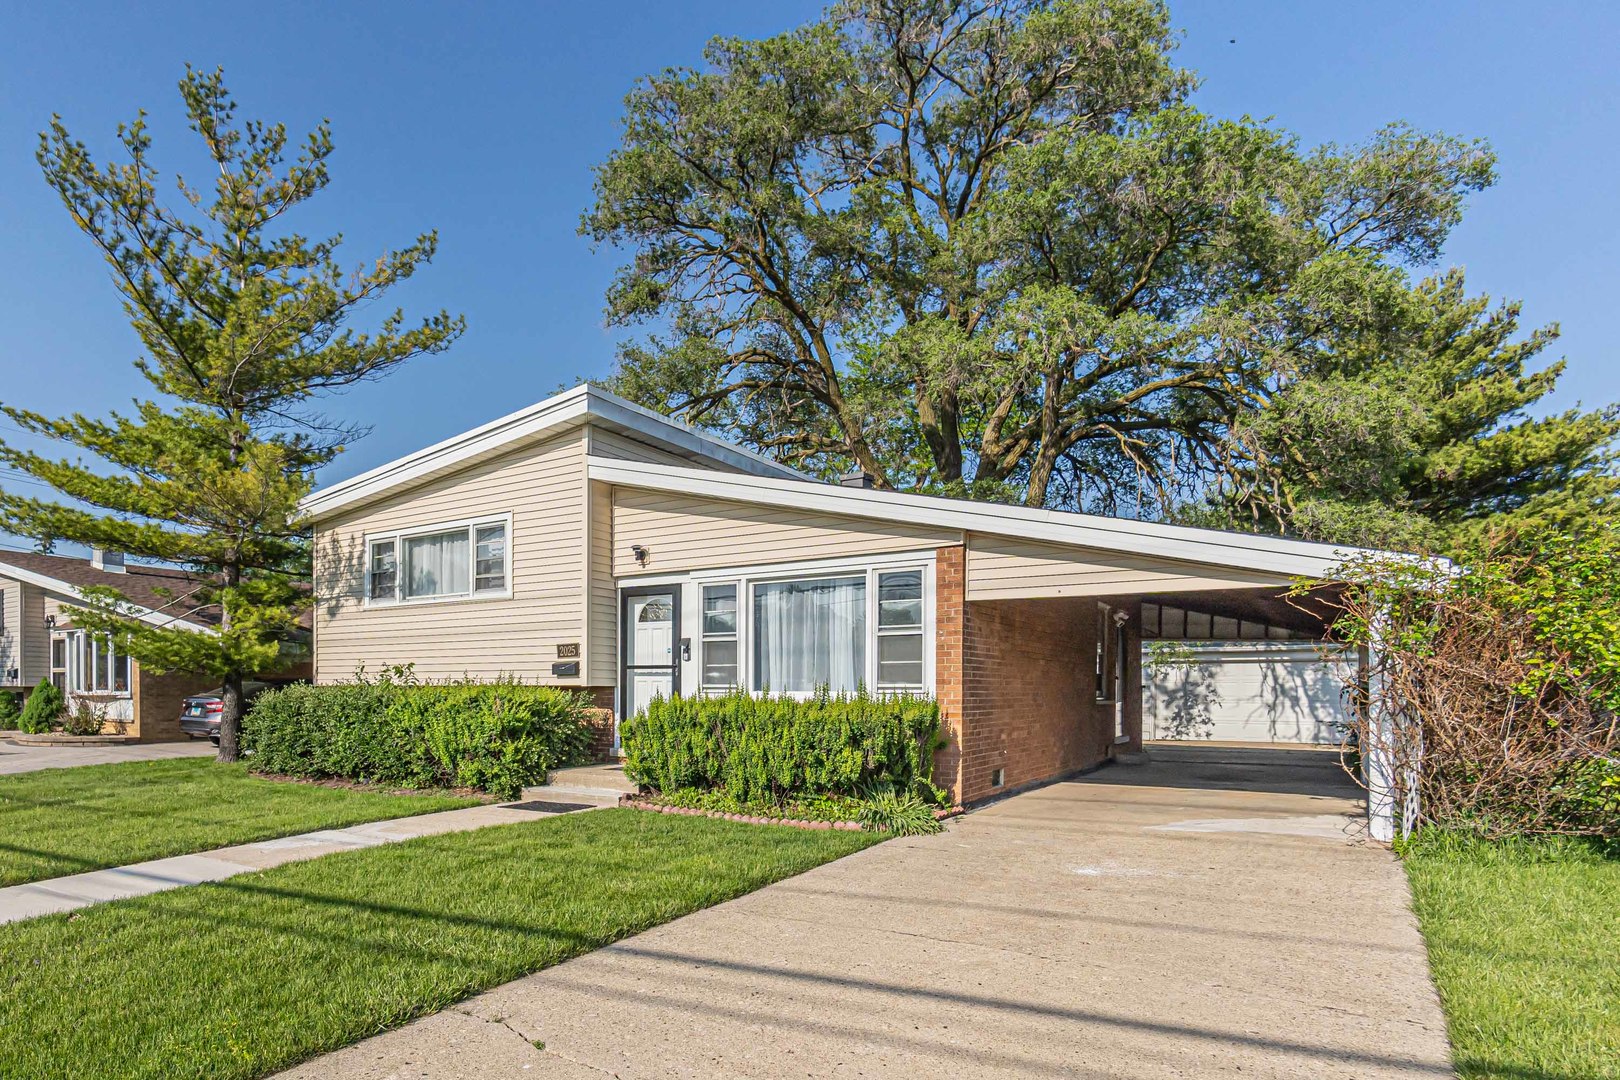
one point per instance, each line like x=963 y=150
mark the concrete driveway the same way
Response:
x=21 y=759
x=1211 y=913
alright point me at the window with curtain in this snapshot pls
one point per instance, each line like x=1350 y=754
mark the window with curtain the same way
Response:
x=810 y=634
x=437 y=564
x=445 y=563
x=719 y=637
x=900 y=631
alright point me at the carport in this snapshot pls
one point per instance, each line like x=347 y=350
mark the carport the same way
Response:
x=1071 y=656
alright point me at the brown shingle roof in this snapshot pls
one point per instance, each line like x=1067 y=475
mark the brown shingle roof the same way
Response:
x=159 y=588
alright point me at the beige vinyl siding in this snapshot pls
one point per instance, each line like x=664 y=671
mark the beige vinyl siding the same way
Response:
x=11 y=629
x=1004 y=568
x=603 y=658
x=35 y=638
x=686 y=532
x=543 y=488
x=611 y=444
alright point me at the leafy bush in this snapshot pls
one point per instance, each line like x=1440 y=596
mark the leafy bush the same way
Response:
x=886 y=810
x=8 y=710
x=42 y=710
x=1495 y=684
x=770 y=750
x=84 y=718
x=496 y=737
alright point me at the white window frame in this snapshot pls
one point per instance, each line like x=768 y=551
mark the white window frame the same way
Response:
x=745 y=578
x=735 y=637
x=879 y=631
x=82 y=648
x=398 y=536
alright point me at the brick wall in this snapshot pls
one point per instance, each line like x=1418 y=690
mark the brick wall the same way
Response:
x=157 y=701
x=1017 y=687
x=950 y=610
x=601 y=722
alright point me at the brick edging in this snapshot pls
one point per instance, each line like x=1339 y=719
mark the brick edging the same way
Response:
x=635 y=802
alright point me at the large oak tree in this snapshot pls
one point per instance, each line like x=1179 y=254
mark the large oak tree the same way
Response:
x=990 y=248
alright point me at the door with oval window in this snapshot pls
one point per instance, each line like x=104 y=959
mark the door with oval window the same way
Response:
x=650 y=668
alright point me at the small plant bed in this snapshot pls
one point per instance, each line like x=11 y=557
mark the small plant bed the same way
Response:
x=1521 y=937
x=242 y=978
x=66 y=821
x=823 y=812
x=849 y=758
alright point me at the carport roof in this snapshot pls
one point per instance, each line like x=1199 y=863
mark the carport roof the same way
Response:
x=1208 y=547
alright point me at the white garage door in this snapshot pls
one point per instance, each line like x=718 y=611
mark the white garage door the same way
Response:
x=1245 y=691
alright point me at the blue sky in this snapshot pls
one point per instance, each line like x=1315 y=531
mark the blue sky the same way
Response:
x=484 y=121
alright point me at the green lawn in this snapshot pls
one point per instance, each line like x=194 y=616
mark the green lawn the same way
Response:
x=64 y=821
x=1524 y=940
x=250 y=975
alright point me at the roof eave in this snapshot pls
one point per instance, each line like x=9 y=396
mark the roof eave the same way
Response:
x=1286 y=558
x=554 y=415
x=143 y=614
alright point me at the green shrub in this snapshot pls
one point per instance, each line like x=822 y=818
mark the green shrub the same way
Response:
x=8 y=710
x=84 y=718
x=886 y=810
x=42 y=710
x=770 y=750
x=496 y=737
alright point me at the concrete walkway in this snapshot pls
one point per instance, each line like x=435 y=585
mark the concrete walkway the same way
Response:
x=21 y=759
x=1211 y=913
x=158 y=875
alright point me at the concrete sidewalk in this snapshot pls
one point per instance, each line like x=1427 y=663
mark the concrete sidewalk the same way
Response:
x=158 y=875
x=1212 y=914
x=21 y=759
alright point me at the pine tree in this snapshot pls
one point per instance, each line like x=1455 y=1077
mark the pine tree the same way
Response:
x=1418 y=434
x=242 y=326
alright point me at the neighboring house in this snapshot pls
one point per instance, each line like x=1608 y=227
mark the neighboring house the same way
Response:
x=39 y=643
x=589 y=543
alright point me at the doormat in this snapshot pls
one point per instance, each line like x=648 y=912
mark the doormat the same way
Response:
x=540 y=806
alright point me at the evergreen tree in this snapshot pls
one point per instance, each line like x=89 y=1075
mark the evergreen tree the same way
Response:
x=1417 y=434
x=242 y=326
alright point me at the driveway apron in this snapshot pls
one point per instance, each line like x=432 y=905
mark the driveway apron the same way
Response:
x=1213 y=912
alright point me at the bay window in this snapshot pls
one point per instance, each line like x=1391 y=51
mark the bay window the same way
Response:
x=442 y=563
x=88 y=663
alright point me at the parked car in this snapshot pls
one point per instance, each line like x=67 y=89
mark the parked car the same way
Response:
x=200 y=713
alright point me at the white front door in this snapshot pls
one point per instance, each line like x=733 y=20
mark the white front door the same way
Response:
x=651 y=667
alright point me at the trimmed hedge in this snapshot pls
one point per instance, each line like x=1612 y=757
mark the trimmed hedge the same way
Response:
x=496 y=737
x=777 y=749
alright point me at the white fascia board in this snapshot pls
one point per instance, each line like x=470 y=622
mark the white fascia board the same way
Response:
x=145 y=615
x=571 y=407
x=1207 y=547
x=627 y=414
